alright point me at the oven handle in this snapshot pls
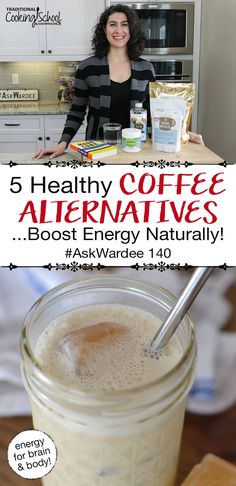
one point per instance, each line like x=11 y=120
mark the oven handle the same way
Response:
x=174 y=77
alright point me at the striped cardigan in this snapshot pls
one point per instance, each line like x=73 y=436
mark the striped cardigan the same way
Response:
x=93 y=89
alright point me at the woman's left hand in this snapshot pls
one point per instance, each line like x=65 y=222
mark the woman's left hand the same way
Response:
x=196 y=138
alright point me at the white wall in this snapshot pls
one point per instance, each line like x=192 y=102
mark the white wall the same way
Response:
x=217 y=87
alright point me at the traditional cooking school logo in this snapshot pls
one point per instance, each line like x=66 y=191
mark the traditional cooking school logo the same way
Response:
x=33 y=15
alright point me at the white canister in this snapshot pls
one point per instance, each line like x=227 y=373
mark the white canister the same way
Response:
x=131 y=140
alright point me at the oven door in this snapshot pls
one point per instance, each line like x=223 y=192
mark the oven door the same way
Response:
x=173 y=70
x=168 y=27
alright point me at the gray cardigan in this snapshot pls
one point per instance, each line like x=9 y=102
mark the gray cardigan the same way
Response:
x=93 y=90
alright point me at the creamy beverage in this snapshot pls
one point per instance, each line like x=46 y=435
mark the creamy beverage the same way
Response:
x=104 y=348
x=109 y=409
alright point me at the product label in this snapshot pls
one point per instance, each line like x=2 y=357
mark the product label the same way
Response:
x=139 y=120
x=166 y=123
x=167 y=133
x=131 y=144
x=166 y=136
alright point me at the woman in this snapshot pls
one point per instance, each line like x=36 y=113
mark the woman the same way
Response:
x=110 y=82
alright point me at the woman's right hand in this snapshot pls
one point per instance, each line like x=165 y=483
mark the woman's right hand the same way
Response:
x=55 y=151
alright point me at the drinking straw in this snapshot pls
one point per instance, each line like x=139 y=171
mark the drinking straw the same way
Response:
x=176 y=314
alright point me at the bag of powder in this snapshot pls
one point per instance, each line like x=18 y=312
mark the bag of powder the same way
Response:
x=167 y=120
x=159 y=89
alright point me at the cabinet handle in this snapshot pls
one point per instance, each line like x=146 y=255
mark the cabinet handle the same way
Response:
x=40 y=138
x=12 y=124
x=42 y=51
x=49 y=51
x=48 y=138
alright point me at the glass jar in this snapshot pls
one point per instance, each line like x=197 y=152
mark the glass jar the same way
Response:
x=117 y=438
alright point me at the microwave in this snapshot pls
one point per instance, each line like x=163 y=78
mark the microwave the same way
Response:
x=168 y=26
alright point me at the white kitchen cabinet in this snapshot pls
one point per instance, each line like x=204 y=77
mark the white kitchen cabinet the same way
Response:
x=53 y=126
x=29 y=133
x=18 y=36
x=63 y=30
x=73 y=38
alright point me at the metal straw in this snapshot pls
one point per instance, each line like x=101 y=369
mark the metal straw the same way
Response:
x=182 y=305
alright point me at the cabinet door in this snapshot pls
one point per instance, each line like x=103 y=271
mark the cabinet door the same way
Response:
x=54 y=125
x=54 y=139
x=18 y=35
x=73 y=36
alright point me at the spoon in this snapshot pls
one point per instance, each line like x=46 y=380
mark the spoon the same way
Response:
x=176 y=314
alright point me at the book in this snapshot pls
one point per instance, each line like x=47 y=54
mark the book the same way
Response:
x=93 y=149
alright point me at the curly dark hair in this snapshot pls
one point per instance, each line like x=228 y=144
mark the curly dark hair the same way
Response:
x=135 y=46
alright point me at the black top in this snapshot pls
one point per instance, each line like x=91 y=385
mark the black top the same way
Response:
x=120 y=103
x=93 y=90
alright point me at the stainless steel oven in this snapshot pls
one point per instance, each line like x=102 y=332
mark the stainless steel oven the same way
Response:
x=173 y=70
x=168 y=26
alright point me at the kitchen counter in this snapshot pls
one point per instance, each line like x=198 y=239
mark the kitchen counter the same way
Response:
x=26 y=158
x=190 y=152
x=34 y=108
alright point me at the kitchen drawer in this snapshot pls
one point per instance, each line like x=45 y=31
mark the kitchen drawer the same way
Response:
x=20 y=124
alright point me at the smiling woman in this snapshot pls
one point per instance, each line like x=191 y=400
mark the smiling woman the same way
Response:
x=111 y=82
x=127 y=17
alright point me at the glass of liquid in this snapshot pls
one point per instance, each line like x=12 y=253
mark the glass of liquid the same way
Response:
x=114 y=412
x=112 y=133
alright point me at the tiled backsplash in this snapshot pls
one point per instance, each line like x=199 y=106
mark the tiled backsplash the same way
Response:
x=36 y=75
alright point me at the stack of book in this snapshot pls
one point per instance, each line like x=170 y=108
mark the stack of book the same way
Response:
x=93 y=150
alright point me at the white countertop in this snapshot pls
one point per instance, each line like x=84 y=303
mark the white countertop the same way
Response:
x=190 y=152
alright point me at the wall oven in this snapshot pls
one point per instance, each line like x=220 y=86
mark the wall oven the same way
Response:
x=172 y=70
x=168 y=26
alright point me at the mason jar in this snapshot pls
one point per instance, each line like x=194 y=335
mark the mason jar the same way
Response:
x=128 y=437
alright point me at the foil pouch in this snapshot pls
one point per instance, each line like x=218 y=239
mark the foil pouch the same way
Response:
x=186 y=90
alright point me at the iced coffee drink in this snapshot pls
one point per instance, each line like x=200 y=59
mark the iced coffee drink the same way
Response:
x=114 y=411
